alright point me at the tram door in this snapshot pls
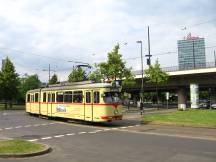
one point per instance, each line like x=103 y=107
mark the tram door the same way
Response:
x=51 y=96
x=88 y=106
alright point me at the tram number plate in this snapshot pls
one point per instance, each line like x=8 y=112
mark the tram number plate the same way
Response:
x=61 y=108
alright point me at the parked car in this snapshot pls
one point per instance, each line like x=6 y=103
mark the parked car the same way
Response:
x=204 y=104
x=213 y=106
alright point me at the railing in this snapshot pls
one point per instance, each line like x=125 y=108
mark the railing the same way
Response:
x=183 y=67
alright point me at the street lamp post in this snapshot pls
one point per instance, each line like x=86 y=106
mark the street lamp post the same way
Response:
x=141 y=94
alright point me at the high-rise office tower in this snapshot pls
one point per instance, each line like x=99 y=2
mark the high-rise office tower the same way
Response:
x=191 y=52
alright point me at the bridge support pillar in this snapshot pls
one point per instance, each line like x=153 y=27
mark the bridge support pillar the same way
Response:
x=194 y=95
x=182 y=98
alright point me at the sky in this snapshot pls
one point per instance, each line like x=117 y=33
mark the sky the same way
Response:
x=36 y=33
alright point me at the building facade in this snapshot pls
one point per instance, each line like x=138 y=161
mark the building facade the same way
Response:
x=191 y=53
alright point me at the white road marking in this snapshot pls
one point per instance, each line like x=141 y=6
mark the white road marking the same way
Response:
x=44 y=124
x=58 y=136
x=82 y=132
x=130 y=126
x=44 y=138
x=114 y=128
x=36 y=125
x=137 y=125
x=98 y=130
x=123 y=127
x=106 y=129
x=18 y=126
x=70 y=134
x=32 y=140
x=9 y=128
x=92 y=132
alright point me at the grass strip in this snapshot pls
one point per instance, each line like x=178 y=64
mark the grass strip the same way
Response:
x=189 y=117
x=19 y=147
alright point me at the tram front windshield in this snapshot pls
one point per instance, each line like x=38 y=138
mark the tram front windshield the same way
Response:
x=112 y=97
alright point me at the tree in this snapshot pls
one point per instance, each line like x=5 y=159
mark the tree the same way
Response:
x=8 y=82
x=114 y=68
x=156 y=76
x=78 y=74
x=96 y=75
x=28 y=83
x=54 y=79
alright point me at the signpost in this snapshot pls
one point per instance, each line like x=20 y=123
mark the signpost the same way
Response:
x=167 y=98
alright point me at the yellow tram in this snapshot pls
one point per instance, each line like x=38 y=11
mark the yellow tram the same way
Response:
x=95 y=102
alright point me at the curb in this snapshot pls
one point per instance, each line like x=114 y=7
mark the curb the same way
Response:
x=47 y=149
x=177 y=125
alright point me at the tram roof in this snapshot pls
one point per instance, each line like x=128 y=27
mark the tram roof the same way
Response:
x=72 y=87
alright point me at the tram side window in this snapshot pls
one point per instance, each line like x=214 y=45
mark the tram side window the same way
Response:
x=36 y=97
x=96 y=97
x=49 y=97
x=77 y=97
x=59 y=97
x=53 y=97
x=28 y=98
x=88 y=97
x=44 y=97
x=32 y=98
x=68 y=97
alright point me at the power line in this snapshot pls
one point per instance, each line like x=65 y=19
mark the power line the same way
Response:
x=162 y=53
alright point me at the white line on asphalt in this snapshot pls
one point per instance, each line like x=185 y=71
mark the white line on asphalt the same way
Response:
x=123 y=127
x=46 y=138
x=58 y=136
x=130 y=126
x=70 y=134
x=18 y=126
x=82 y=132
x=92 y=132
x=36 y=125
x=137 y=125
x=9 y=128
x=114 y=128
x=52 y=123
x=99 y=130
x=106 y=129
x=32 y=140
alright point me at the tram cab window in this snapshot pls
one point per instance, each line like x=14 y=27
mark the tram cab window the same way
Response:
x=59 y=96
x=32 y=98
x=28 y=98
x=44 y=97
x=68 y=97
x=77 y=97
x=36 y=97
x=111 y=97
x=53 y=97
x=88 y=97
x=96 y=97
x=49 y=97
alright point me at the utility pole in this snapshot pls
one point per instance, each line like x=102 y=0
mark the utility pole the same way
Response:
x=141 y=93
x=149 y=51
x=49 y=70
x=215 y=58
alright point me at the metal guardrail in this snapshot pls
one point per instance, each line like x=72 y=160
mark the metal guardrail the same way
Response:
x=182 y=68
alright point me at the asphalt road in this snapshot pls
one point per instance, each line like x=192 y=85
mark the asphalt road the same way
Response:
x=80 y=142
